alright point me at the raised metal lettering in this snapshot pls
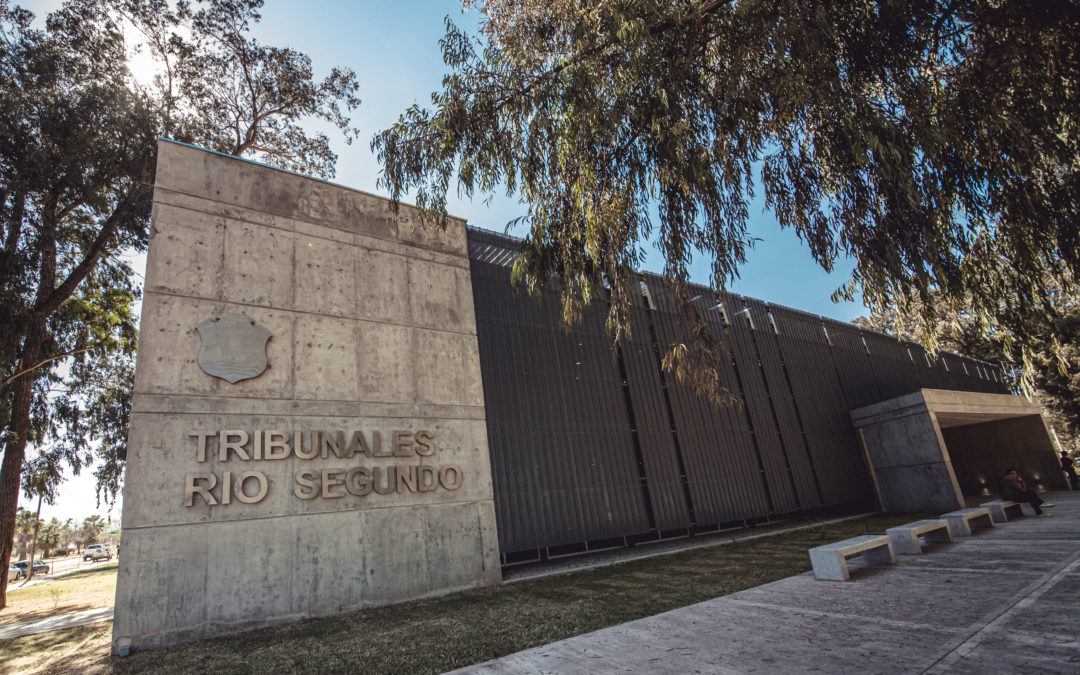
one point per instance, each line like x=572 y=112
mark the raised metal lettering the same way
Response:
x=444 y=476
x=264 y=487
x=191 y=489
x=306 y=479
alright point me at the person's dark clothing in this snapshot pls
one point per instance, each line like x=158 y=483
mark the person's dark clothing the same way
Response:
x=1013 y=488
x=1069 y=467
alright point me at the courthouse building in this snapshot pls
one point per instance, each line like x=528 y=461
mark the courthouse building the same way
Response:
x=334 y=411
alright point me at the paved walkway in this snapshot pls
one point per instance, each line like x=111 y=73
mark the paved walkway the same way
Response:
x=1005 y=600
x=24 y=628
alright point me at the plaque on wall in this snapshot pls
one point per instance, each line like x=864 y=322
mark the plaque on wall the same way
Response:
x=233 y=347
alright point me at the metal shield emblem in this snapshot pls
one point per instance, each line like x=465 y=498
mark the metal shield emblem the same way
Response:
x=233 y=347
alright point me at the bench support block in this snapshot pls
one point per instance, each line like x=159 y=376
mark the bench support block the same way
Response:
x=905 y=538
x=830 y=561
x=1001 y=510
x=962 y=522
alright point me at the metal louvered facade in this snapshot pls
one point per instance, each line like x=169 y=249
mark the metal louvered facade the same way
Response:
x=593 y=447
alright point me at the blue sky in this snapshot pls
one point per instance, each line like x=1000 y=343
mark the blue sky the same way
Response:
x=394 y=49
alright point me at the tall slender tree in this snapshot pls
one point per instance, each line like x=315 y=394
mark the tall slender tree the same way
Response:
x=41 y=478
x=77 y=157
x=24 y=530
x=49 y=537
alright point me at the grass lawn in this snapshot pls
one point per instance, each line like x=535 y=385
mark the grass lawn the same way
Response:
x=433 y=636
x=70 y=593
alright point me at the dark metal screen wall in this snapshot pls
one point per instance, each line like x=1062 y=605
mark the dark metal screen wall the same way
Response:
x=597 y=447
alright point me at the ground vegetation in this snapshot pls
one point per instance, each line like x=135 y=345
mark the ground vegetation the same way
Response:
x=463 y=628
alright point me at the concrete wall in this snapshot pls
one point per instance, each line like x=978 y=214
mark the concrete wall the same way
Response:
x=930 y=448
x=905 y=451
x=982 y=453
x=372 y=332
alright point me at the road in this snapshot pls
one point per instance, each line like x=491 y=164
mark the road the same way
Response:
x=61 y=567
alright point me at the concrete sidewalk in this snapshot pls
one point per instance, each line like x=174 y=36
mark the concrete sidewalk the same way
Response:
x=24 y=628
x=1004 y=600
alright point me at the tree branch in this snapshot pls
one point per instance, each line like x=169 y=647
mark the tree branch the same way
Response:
x=48 y=360
x=15 y=221
x=701 y=12
x=62 y=292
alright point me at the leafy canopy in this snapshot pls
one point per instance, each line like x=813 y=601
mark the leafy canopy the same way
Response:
x=933 y=141
x=1051 y=345
x=76 y=162
x=77 y=157
x=222 y=89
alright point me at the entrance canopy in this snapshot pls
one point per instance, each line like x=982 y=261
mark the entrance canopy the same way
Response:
x=929 y=449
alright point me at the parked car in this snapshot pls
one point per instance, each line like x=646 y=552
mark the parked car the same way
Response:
x=39 y=567
x=96 y=552
x=13 y=573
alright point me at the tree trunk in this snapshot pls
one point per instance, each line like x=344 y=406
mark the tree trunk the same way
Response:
x=49 y=297
x=15 y=448
x=33 y=542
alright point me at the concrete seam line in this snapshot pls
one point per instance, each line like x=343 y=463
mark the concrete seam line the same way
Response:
x=394 y=241
x=970 y=570
x=1033 y=639
x=291 y=414
x=291 y=515
x=304 y=312
x=838 y=615
x=963 y=646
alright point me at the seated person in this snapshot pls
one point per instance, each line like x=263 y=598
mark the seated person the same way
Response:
x=1069 y=467
x=1012 y=487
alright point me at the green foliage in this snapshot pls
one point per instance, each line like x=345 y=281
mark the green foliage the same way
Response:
x=77 y=152
x=77 y=157
x=25 y=521
x=49 y=536
x=1046 y=341
x=76 y=164
x=225 y=91
x=91 y=530
x=934 y=142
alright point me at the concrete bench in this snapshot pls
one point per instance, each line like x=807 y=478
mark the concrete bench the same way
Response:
x=905 y=538
x=962 y=522
x=1002 y=509
x=830 y=561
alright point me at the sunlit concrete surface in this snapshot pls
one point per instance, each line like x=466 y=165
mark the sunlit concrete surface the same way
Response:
x=1004 y=600
x=372 y=337
x=24 y=628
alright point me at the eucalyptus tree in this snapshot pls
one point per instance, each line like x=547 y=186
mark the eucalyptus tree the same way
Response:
x=77 y=157
x=932 y=141
x=221 y=88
